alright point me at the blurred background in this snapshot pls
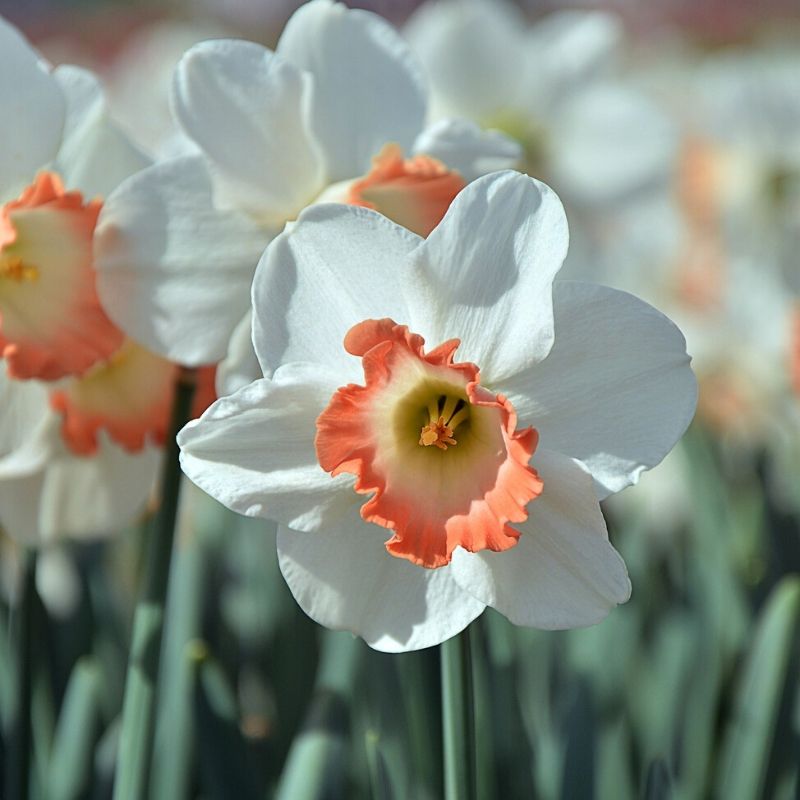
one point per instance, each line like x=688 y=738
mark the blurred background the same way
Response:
x=672 y=132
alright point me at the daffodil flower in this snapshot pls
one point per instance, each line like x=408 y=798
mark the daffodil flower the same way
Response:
x=439 y=419
x=554 y=87
x=84 y=409
x=47 y=490
x=79 y=457
x=61 y=156
x=336 y=113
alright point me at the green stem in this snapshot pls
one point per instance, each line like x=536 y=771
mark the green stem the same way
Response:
x=316 y=765
x=458 y=718
x=19 y=763
x=138 y=709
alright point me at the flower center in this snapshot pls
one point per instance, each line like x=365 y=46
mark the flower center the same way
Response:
x=532 y=135
x=13 y=268
x=392 y=432
x=444 y=416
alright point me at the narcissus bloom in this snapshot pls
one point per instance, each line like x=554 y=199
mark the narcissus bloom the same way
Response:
x=553 y=86
x=336 y=113
x=61 y=155
x=79 y=457
x=83 y=408
x=439 y=419
x=50 y=489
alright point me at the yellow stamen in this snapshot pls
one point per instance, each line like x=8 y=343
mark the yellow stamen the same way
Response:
x=13 y=267
x=438 y=434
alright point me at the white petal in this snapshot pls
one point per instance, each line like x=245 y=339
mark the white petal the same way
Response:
x=465 y=147
x=240 y=366
x=338 y=265
x=254 y=451
x=567 y=49
x=563 y=573
x=58 y=582
x=95 y=156
x=609 y=141
x=24 y=406
x=29 y=429
x=139 y=80
x=484 y=274
x=368 y=89
x=344 y=579
x=247 y=109
x=33 y=112
x=89 y=497
x=73 y=496
x=616 y=390
x=19 y=507
x=473 y=51
x=174 y=272
x=34 y=449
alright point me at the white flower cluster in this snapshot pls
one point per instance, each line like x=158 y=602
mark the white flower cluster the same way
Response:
x=355 y=232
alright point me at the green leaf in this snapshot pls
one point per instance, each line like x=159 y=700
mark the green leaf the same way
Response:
x=614 y=778
x=72 y=759
x=748 y=741
x=171 y=776
x=223 y=758
x=379 y=779
x=315 y=768
x=658 y=781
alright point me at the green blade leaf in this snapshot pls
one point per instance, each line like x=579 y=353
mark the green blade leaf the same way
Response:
x=77 y=731
x=748 y=741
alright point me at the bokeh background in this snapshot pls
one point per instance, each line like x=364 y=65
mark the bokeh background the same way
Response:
x=690 y=198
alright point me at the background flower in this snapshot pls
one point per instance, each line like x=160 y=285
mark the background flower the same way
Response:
x=178 y=244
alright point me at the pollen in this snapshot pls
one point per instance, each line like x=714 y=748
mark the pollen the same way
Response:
x=14 y=268
x=445 y=415
x=438 y=434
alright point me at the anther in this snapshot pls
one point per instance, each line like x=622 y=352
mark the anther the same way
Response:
x=438 y=434
x=12 y=267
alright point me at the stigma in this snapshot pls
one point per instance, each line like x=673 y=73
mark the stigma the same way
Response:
x=15 y=269
x=445 y=415
x=438 y=434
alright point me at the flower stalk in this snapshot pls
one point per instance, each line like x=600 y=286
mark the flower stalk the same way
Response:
x=19 y=765
x=458 y=718
x=139 y=706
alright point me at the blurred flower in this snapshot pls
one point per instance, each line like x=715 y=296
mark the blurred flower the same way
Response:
x=139 y=80
x=60 y=149
x=553 y=87
x=178 y=243
x=749 y=104
x=79 y=435
x=590 y=385
x=78 y=458
x=46 y=489
x=724 y=283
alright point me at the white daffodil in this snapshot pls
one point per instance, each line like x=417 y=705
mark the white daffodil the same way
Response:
x=61 y=155
x=750 y=108
x=552 y=86
x=139 y=82
x=48 y=490
x=463 y=467
x=83 y=408
x=79 y=457
x=337 y=112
